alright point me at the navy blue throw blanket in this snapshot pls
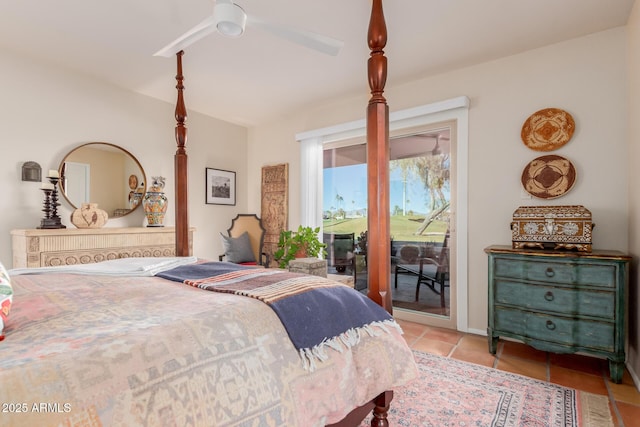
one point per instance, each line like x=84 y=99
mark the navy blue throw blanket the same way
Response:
x=316 y=312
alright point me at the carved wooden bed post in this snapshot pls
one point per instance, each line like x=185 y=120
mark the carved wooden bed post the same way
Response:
x=180 y=167
x=378 y=251
x=379 y=246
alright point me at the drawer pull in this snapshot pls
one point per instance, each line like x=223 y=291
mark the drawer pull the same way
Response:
x=549 y=296
x=550 y=325
x=549 y=272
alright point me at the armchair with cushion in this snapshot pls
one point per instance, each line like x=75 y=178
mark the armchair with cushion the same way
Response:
x=245 y=241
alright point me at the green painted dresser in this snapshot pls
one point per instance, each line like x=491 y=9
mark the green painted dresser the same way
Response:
x=561 y=302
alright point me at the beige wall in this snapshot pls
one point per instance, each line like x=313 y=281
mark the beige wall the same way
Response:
x=633 y=118
x=46 y=111
x=585 y=76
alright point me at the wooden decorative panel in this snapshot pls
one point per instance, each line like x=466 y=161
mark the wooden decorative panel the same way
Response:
x=274 y=205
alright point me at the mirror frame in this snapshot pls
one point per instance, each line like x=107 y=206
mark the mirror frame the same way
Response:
x=117 y=147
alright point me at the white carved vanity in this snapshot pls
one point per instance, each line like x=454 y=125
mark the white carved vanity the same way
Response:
x=51 y=247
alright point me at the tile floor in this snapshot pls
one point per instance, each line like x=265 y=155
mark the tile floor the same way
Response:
x=576 y=371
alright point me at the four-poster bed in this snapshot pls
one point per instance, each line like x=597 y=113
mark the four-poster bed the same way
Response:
x=378 y=188
x=142 y=341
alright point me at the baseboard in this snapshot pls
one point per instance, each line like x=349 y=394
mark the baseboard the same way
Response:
x=481 y=332
x=634 y=376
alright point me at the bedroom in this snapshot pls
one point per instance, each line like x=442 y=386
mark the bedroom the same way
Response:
x=48 y=109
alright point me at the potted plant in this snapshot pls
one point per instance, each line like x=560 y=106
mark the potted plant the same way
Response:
x=299 y=244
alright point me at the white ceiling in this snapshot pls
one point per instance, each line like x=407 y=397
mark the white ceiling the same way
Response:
x=259 y=77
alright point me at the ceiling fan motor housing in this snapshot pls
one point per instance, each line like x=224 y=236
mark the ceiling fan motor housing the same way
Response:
x=230 y=19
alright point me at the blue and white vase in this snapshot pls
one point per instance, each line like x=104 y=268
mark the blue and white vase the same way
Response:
x=155 y=203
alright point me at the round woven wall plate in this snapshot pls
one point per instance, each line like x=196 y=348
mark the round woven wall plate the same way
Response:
x=547 y=129
x=548 y=177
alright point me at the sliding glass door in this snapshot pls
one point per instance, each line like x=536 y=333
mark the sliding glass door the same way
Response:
x=325 y=203
x=420 y=207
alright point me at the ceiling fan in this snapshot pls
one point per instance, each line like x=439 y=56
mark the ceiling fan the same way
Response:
x=229 y=19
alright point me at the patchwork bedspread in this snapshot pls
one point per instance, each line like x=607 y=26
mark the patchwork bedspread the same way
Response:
x=119 y=351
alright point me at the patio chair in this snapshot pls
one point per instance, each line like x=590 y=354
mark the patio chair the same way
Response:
x=430 y=269
x=435 y=274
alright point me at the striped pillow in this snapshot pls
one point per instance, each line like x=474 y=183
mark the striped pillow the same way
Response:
x=6 y=296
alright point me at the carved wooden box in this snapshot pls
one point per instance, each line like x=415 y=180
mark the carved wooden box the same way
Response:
x=552 y=227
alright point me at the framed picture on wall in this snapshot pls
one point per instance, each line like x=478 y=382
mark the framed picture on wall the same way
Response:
x=220 y=186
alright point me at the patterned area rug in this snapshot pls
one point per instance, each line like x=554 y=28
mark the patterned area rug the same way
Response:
x=454 y=393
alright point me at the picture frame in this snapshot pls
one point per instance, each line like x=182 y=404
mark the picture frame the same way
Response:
x=220 y=187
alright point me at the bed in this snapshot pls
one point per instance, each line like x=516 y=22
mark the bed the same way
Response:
x=91 y=345
x=188 y=342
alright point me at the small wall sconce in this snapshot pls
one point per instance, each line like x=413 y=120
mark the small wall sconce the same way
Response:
x=31 y=171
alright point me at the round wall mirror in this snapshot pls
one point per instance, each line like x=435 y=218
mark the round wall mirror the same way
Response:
x=103 y=173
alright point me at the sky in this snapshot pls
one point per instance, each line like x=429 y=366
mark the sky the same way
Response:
x=350 y=182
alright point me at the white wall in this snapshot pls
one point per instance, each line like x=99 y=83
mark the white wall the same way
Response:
x=633 y=50
x=585 y=76
x=46 y=111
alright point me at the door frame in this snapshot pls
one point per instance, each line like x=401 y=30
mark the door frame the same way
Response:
x=454 y=109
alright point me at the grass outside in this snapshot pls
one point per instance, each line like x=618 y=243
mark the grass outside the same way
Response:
x=402 y=228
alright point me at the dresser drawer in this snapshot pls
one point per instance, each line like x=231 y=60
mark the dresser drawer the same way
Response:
x=555 y=272
x=562 y=300
x=555 y=329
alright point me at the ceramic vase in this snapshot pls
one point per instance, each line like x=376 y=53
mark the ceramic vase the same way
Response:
x=89 y=216
x=155 y=203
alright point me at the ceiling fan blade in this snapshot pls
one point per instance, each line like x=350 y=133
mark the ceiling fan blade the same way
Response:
x=201 y=30
x=309 y=39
